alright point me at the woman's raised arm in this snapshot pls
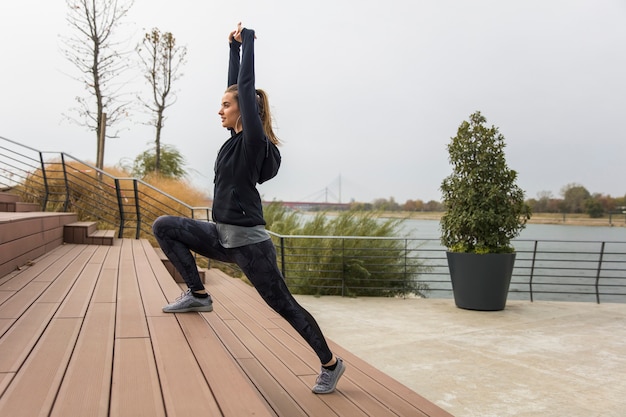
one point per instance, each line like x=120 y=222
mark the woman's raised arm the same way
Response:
x=248 y=105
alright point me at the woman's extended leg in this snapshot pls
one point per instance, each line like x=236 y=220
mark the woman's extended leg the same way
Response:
x=258 y=262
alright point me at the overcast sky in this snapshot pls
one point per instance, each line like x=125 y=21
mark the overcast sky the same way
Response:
x=366 y=94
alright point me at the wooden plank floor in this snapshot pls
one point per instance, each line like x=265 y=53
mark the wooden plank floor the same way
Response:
x=82 y=334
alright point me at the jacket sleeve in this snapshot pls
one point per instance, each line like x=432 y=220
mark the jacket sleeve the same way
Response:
x=233 y=62
x=252 y=125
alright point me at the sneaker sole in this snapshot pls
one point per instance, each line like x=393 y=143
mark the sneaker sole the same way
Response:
x=341 y=371
x=190 y=309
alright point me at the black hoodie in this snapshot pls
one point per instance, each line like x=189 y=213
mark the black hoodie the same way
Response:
x=236 y=200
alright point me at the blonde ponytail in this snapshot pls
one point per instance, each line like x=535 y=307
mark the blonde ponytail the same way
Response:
x=266 y=116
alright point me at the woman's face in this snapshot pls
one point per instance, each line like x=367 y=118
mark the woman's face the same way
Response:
x=229 y=111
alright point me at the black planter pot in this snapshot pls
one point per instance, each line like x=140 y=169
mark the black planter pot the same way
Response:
x=481 y=282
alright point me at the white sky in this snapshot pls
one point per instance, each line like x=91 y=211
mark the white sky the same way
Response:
x=366 y=91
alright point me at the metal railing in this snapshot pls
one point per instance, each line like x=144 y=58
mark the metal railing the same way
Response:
x=60 y=182
x=544 y=270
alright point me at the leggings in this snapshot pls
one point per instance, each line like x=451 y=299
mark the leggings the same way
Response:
x=178 y=236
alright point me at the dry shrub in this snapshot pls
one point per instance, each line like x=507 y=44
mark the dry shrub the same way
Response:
x=94 y=197
x=180 y=189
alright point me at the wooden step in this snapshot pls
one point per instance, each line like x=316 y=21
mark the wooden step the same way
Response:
x=86 y=233
x=7 y=202
x=173 y=271
x=25 y=236
x=82 y=333
x=8 y=198
x=11 y=203
x=21 y=207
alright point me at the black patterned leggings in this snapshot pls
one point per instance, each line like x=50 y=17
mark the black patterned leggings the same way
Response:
x=178 y=236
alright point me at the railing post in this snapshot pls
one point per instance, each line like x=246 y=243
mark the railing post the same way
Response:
x=343 y=268
x=120 y=205
x=45 y=182
x=598 y=273
x=66 y=203
x=137 y=209
x=406 y=275
x=532 y=271
x=282 y=256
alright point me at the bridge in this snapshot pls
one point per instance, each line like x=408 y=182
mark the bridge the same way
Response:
x=328 y=198
x=313 y=206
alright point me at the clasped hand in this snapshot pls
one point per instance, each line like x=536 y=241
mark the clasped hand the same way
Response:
x=236 y=34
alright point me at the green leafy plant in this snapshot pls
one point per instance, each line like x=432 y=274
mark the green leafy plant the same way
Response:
x=170 y=163
x=485 y=208
x=323 y=257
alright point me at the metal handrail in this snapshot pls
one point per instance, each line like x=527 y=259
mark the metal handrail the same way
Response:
x=545 y=270
x=58 y=181
x=553 y=270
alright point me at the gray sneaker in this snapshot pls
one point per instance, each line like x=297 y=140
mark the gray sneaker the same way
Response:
x=327 y=380
x=187 y=302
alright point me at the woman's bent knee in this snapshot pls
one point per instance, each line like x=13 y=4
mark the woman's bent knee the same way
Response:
x=160 y=223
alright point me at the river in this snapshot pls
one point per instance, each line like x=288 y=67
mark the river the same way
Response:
x=429 y=229
x=566 y=266
x=567 y=262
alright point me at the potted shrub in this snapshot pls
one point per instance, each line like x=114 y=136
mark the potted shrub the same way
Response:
x=485 y=209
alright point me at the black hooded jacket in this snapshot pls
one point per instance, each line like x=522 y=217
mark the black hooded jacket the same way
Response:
x=236 y=200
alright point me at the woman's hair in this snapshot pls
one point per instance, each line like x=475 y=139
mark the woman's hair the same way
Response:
x=264 y=111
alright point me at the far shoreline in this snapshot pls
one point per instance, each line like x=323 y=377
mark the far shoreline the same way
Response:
x=618 y=220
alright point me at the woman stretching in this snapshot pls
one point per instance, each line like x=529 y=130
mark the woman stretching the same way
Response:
x=238 y=233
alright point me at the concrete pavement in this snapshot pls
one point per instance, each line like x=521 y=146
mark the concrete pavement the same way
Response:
x=531 y=359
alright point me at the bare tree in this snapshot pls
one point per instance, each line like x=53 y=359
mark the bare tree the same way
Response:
x=162 y=60
x=97 y=56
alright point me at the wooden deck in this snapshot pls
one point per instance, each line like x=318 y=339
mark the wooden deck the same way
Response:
x=82 y=334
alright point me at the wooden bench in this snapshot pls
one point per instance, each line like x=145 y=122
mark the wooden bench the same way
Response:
x=82 y=333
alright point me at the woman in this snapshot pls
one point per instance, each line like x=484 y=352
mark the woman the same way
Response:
x=238 y=233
